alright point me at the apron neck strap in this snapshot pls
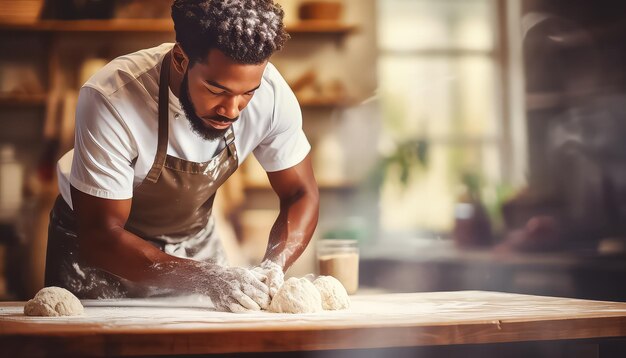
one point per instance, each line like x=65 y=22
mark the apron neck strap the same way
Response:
x=229 y=136
x=164 y=83
x=229 y=139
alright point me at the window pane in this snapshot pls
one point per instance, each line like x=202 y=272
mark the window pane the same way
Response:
x=438 y=97
x=427 y=201
x=435 y=24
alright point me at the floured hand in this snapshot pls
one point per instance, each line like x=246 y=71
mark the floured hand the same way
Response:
x=272 y=275
x=235 y=289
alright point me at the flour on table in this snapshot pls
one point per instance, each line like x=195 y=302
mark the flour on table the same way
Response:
x=297 y=295
x=53 y=302
x=334 y=295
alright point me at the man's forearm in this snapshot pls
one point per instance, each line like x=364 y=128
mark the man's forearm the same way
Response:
x=293 y=228
x=124 y=254
x=232 y=289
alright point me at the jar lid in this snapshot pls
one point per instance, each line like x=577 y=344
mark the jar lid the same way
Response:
x=338 y=243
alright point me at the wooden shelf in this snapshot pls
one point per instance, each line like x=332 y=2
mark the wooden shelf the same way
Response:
x=324 y=103
x=327 y=27
x=112 y=25
x=337 y=186
x=154 y=25
x=22 y=100
x=40 y=99
x=321 y=185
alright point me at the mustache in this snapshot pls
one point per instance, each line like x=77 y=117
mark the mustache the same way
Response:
x=219 y=118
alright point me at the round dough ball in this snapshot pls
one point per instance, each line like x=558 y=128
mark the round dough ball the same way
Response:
x=297 y=295
x=334 y=295
x=53 y=302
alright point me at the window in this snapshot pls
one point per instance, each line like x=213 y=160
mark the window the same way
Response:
x=439 y=82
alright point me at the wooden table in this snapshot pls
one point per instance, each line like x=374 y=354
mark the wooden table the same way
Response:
x=159 y=327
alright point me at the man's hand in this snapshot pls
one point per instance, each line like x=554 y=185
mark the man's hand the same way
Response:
x=235 y=289
x=271 y=274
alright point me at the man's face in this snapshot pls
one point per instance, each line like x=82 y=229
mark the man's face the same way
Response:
x=214 y=92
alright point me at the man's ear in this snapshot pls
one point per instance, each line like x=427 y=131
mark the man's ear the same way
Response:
x=179 y=59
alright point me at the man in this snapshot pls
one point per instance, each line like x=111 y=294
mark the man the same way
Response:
x=157 y=132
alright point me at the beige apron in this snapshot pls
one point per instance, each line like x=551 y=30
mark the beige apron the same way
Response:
x=171 y=209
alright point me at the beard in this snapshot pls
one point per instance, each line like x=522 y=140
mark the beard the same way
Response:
x=198 y=126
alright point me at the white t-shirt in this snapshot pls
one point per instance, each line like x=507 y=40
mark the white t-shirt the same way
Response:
x=117 y=121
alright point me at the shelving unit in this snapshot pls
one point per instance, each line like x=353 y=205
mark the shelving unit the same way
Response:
x=325 y=103
x=113 y=25
x=22 y=100
x=37 y=100
x=156 y=26
x=148 y=26
x=320 y=27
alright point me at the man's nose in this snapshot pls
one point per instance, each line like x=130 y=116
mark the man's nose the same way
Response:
x=229 y=108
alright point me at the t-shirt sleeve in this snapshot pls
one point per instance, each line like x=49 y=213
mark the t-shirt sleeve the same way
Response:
x=285 y=144
x=103 y=150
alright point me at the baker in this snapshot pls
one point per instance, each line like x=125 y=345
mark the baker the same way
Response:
x=158 y=131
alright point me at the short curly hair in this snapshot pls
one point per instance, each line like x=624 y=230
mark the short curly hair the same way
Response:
x=247 y=31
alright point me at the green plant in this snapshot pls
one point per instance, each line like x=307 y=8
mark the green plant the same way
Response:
x=407 y=155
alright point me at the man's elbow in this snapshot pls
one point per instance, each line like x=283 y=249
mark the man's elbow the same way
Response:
x=314 y=194
x=311 y=194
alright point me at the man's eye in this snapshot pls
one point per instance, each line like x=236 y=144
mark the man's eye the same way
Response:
x=250 y=93
x=216 y=93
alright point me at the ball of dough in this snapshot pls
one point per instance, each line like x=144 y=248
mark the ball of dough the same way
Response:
x=334 y=295
x=297 y=295
x=53 y=302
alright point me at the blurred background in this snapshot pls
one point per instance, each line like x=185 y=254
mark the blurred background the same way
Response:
x=460 y=144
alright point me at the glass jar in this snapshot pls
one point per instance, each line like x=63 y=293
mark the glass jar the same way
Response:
x=340 y=259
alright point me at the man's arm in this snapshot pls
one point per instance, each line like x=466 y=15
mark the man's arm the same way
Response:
x=299 y=211
x=104 y=243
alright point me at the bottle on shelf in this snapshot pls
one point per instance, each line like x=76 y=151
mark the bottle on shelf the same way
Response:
x=11 y=182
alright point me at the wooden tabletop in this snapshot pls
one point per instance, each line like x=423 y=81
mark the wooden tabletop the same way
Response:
x=152 y=327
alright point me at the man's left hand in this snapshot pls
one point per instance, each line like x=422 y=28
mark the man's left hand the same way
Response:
x=271 y=274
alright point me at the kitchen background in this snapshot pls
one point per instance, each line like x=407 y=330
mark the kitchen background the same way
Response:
x=463 y=144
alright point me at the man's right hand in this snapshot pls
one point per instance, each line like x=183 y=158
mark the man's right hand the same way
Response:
x=235 y=289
